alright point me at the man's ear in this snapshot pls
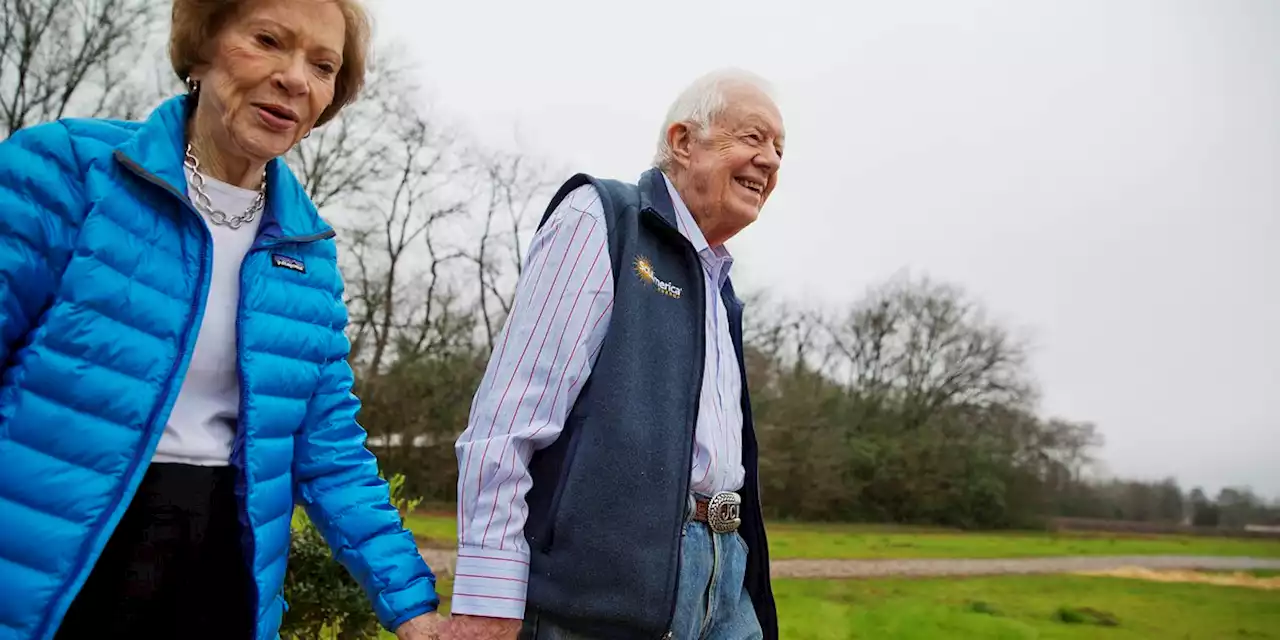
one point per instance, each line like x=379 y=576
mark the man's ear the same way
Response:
x=681 y=138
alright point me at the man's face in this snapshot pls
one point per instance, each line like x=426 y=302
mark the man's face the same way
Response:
x=727 y=172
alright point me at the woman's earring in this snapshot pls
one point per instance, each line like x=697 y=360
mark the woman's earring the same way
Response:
x=193 y=86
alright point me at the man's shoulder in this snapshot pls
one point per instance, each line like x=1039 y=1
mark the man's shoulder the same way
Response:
x=583 y=199
x=599 y=197
x=608 y=188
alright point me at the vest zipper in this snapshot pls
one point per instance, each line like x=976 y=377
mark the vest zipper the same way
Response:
x=700 y=294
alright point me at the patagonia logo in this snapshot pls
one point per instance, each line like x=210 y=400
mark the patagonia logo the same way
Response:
x=644 y=270
x=288 y=263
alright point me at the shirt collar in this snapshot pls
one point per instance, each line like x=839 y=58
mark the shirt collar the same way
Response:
x=713 y=256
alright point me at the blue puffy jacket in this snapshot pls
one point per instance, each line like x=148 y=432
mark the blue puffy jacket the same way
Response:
x=104 y=271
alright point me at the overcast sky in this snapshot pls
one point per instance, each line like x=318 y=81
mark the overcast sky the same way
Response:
x=1104 y=174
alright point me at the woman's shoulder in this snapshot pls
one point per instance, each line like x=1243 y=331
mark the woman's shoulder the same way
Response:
x=70 y=142
x=107 y=132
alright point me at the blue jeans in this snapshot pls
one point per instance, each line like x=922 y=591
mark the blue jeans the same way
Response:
x=711 y=601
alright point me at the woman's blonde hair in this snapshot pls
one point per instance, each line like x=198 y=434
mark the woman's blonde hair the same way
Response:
x=197 y=22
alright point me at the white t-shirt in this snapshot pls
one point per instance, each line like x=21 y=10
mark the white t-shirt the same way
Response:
x=202 y=427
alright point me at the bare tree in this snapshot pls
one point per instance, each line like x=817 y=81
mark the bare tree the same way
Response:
x=341 y=159
x=863 y=341
x=354 y=154
x=1071 y=444
x=419 y=199
x=388 y=174
x=928 y=345
x=514 y=187
x=74 y=57
x=790 y=335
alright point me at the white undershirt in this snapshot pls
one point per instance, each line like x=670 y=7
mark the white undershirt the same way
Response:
x=202 y=426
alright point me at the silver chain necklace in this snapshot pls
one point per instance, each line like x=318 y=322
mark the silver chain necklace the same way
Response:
x=217 y=216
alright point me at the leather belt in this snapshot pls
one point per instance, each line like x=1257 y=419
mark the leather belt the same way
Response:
x=721 y=512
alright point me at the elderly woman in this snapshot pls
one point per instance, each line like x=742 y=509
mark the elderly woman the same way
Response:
x=174 y=363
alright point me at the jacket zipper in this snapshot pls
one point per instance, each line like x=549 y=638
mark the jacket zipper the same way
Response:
x=242 y=448
x=693 y=425
x=242 y=426
x=188 y=341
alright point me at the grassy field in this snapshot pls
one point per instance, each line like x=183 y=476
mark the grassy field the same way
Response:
x=1009 y=608
x=850 y=541
x=816 y=541
x=1042 y=607
x=441 y=529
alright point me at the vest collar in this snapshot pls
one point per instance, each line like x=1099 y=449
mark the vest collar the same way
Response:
x=654 y=197
x=656 y=200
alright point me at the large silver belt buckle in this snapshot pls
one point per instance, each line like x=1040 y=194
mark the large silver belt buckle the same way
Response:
x=723 y=512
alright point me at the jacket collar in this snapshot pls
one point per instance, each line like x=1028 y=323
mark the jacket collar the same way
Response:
x=159 y=147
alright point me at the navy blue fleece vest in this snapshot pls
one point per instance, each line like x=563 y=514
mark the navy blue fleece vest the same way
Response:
x=608 y=497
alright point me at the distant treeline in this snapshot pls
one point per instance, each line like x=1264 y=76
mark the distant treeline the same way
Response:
x=910 y=407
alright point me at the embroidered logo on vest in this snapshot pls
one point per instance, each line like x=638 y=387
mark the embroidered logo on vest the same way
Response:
x=288 y=263
x=644 y=270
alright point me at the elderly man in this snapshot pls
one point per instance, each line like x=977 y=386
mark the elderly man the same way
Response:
x=608 y=476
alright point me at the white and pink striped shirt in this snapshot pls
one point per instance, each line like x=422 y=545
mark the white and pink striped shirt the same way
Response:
x=544 y=355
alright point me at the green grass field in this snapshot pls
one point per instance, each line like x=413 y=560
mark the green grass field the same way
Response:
x=1009 y=608
x=852 y=541
x=438 y=528
x=821 y=541
x=1006 y=608
x=1041 y=607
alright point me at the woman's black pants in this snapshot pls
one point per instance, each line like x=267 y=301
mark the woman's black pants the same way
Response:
x=174 y=566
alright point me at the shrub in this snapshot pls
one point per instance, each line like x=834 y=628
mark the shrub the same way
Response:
x=323 y=599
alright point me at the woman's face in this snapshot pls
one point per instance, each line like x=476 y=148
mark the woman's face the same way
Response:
x=270 y=75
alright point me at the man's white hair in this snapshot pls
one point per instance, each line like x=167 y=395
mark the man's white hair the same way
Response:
x=701 y=102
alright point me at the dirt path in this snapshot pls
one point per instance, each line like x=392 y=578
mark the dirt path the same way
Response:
x=441 y=561
x=1234 y=579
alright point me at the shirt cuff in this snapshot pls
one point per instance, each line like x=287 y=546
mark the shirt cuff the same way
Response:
x=490 y=582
